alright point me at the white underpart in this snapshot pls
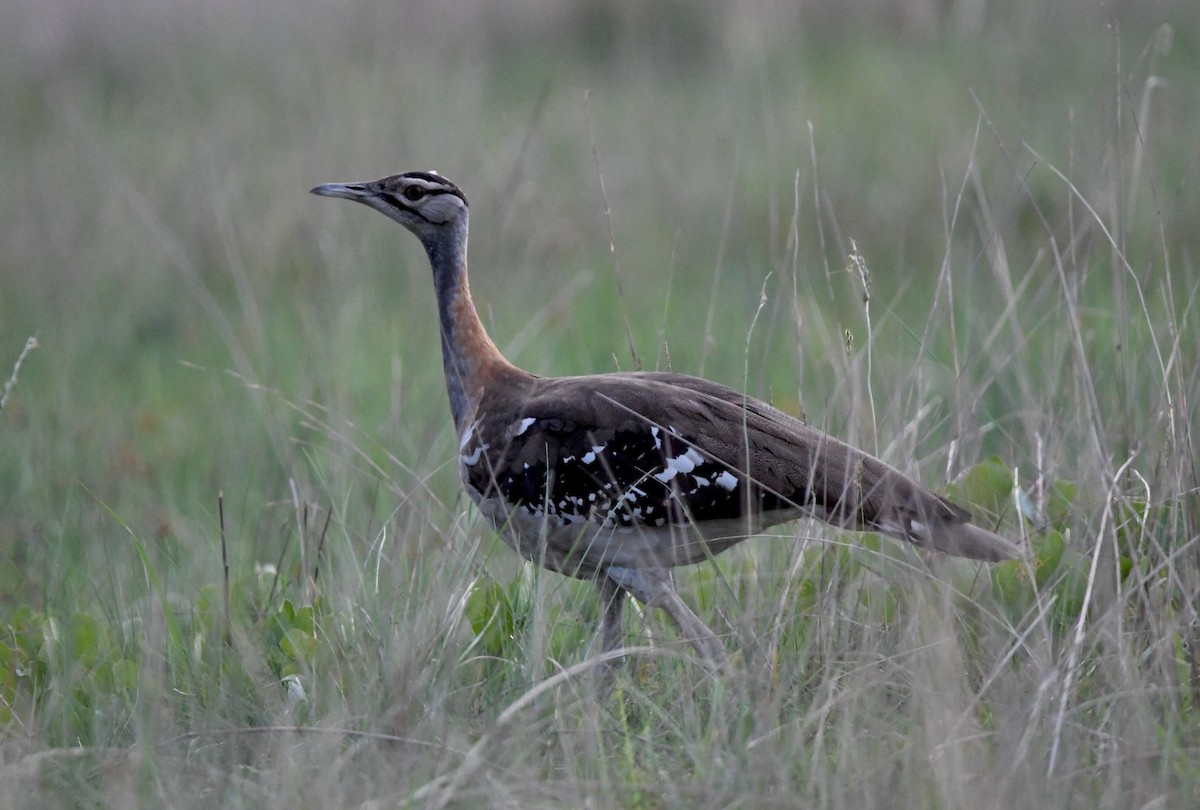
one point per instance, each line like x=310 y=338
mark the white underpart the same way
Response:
x=726 y=481
x=524 y=426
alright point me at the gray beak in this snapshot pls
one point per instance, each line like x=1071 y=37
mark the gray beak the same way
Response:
x=347 y=191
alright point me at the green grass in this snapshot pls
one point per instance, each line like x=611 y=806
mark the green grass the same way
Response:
x=1024 y=196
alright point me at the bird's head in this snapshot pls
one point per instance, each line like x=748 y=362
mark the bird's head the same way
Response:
x=427 y=204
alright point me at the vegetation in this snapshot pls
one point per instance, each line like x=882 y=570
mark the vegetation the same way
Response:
x=236 y=567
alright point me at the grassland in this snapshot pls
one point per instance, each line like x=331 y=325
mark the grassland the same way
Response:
x=967 y=244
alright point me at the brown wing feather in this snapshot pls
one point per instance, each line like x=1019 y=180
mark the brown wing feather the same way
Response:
x=859 y=490
x=765 y=448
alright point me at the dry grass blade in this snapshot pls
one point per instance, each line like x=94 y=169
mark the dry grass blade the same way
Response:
x=11 y=382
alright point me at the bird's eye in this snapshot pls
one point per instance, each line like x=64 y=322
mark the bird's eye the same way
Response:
x=413 y=193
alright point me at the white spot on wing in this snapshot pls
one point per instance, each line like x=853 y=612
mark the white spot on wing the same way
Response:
x=686 y=462
x=524 y=426
x=726 y=481
x=473 y=459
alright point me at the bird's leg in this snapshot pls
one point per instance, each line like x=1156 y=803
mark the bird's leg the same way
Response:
x=655 y=587
x=612 y=633
x=612 y=597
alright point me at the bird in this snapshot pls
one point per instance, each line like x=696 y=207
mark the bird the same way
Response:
x=621 y=477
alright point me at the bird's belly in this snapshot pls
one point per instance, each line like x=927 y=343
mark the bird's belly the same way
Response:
x=584 y=548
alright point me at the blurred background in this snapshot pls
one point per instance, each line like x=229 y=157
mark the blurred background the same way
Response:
x=195 y=307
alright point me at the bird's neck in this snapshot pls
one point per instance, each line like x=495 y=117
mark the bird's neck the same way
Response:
x=469 y=357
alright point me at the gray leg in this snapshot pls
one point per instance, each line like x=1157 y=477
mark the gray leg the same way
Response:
x=612 y=599
x=655 y=588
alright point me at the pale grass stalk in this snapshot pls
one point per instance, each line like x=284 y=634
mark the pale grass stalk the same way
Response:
x=1082 y=622
x=441 y=791
x=11 y=383
x=858 y=266
x=1119 y=252
x=718 y=270
x=612 y=239
x=812 y=156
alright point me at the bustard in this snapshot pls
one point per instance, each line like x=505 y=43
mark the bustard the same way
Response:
x=618 y=478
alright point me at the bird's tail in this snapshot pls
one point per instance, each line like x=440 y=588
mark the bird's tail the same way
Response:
x=965 y=540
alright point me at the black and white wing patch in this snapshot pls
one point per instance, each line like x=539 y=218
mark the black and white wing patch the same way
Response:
x=634 y=475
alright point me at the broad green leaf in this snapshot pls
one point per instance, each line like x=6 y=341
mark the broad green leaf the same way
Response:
x=490 y=614
x=1047 y=553
x=1061 y=504
x=988 y=486
x=1011 y=585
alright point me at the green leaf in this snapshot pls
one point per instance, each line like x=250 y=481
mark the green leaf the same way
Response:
x=8 y=682
x=871 y=541
x=881 y=603
x=1061 y=503
x=85 y=639
x=125 y=674
x=706 y=584
x=490 y=614
x=1070 y=590
x=305 y=620
x=988 y=486
x=298 y=645
x=1047 y=553
x=805 y=599
x=1010 y=585
x=567 y=637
